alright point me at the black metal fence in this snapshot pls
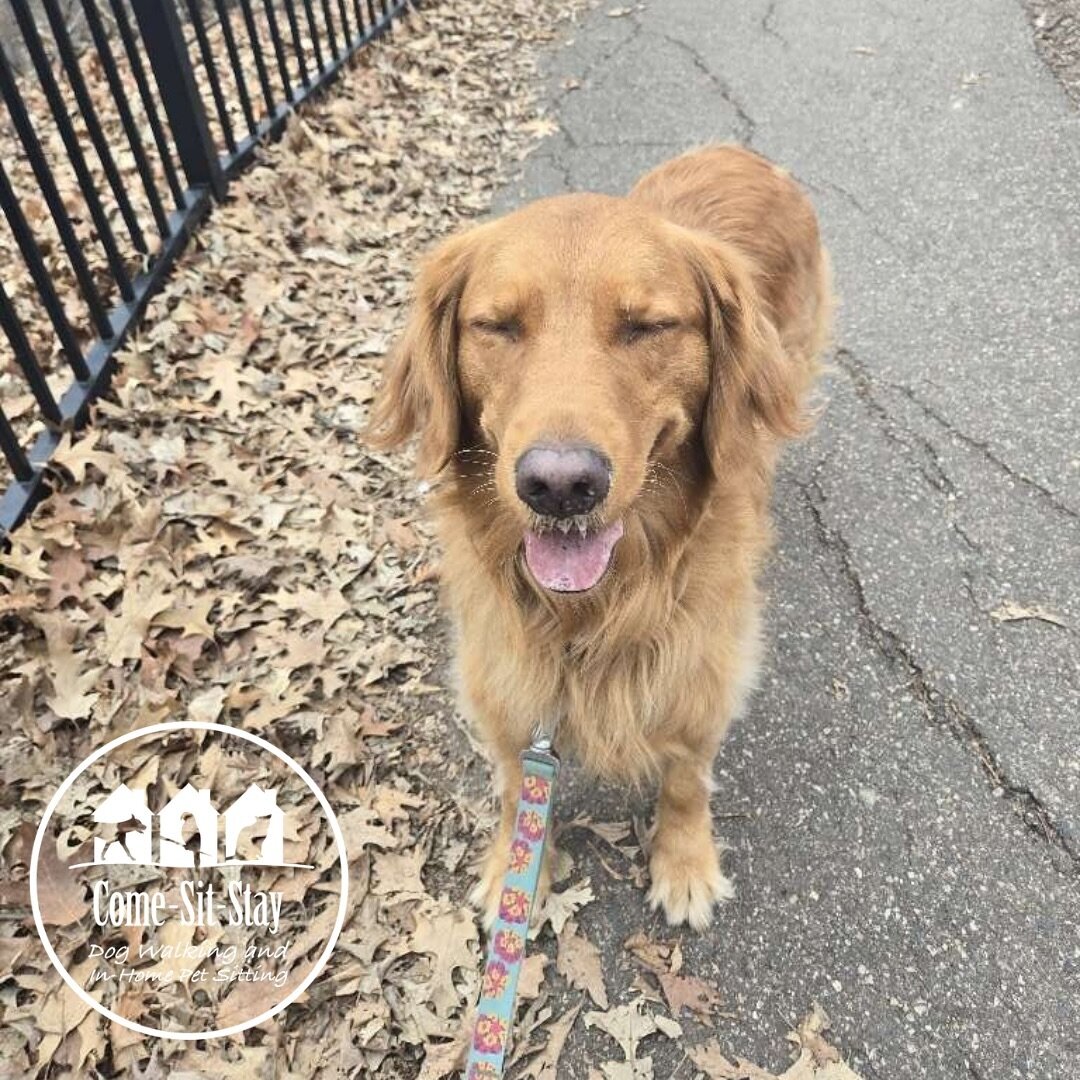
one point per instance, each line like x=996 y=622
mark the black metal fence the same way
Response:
x=114 y=146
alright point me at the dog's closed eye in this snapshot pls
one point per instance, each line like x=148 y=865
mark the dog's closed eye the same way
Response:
x=633 y=330
x=506 y=327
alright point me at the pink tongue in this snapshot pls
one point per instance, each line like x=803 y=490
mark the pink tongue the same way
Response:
x=570 y=562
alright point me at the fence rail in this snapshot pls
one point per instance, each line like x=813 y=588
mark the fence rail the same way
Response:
x=114 y=149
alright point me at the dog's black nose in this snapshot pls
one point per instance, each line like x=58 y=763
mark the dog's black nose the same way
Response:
x=562 y=480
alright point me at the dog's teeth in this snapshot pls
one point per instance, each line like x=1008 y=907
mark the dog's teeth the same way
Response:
x=581 y=527
x=564 y=527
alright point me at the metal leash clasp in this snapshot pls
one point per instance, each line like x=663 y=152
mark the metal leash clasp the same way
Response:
x=541 y=749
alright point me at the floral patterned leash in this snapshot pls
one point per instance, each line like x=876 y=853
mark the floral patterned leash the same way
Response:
x=506 y=946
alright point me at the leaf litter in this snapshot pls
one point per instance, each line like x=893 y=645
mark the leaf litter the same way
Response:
x=816 y=1059
x=1011 y=611
x=221 y=547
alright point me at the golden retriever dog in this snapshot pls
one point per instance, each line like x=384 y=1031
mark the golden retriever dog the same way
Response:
x=601 y=386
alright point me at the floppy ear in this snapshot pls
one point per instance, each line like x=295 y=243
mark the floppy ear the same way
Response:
x=419 y=391
x=753 y=385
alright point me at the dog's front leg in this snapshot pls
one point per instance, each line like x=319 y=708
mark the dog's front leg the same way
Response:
x=683 y=861
x=486 y=892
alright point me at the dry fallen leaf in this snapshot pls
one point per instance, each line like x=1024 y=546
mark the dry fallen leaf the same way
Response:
x=656 y=956
x=817 y=1060
x=808 y=1036
x=1011 y=611
x=710 y=1059
x=71 y=681
x=545 y=1066
x=126 y=631
x=451 y=939
x=628 y=1025
x=77 y=456
x=61 y=896
x=24 y=562
x=689 y=992
x=558 y=907
x=531 y=979
x=580 y=964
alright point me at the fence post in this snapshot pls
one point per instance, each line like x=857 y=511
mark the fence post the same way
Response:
x=167 y=52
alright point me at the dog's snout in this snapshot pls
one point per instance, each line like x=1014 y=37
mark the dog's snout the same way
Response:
x=562 y=480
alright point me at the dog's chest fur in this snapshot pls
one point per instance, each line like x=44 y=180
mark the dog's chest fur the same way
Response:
x=620 y=704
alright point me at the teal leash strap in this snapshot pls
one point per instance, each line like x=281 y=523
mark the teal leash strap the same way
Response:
x=506 y=946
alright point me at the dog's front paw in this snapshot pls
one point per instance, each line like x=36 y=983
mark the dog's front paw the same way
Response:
x=687 y=882
x=487 y=890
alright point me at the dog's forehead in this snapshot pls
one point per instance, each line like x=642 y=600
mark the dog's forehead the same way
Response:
x=579 y=245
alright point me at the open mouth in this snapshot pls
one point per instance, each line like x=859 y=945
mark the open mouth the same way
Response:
x=569 y=555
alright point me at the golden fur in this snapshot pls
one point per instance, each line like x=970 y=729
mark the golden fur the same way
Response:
x=678 y=329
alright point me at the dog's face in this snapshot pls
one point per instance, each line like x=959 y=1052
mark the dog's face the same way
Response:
x=574 y=361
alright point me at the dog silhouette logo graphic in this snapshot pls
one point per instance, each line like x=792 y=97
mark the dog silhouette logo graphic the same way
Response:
x=127 y=811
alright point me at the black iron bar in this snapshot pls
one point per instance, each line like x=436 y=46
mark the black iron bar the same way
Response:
x=27 y=361
x=93 y=124
x=71 y=143
x=298 y=45
x=43 y=174
x=43 y=282
x=279 y=49
x=225 y=22
x=167 y=54
x=195 y=14
x=149 y=104
x=112 y=74
x=20 y=466
x=346 y=32
x=331 y=32
x=256 y=48
x=313 y=29
x=274 y=124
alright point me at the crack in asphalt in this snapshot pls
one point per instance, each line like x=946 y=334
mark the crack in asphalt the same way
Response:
x=598 y=62
x=768 y=24
x=560 y=96
x=941 y=710
x=967 y=583
x=746 y=123
x=567 y=171
x=968 y=539
x=939 y=478
x=929 y=461
x=823 y=187
x=1047 y=495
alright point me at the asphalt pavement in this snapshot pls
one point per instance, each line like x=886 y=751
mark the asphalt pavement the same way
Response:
x=902 y=799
